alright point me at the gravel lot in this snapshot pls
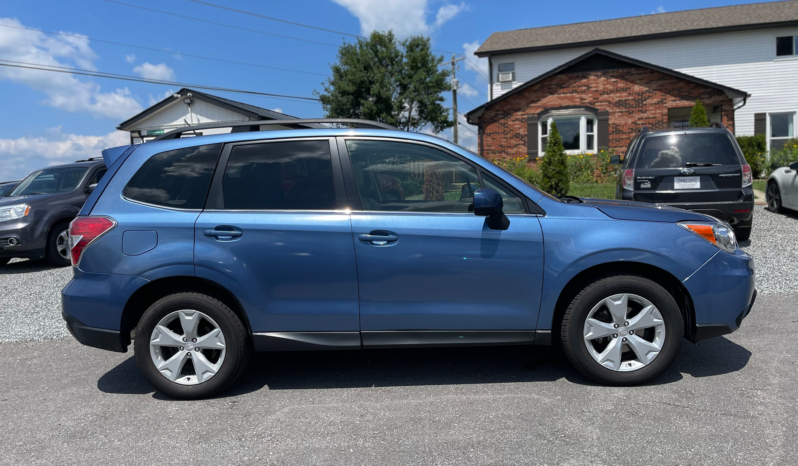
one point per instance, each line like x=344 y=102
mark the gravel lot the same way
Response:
x=30 y=309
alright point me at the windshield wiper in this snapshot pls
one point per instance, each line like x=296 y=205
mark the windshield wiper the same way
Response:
x=696 y=164
x=569 y=199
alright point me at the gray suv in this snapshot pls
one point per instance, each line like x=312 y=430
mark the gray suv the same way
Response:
x=35 y=216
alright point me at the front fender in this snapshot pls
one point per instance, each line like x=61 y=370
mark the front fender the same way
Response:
x=573 y=245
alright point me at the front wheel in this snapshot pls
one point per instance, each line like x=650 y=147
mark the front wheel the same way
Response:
x=622 y=330
x=773 y=197
x=190 y=345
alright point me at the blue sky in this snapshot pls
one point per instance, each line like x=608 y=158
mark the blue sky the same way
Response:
x=50 y=118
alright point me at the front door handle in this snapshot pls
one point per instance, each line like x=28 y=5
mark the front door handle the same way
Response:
x=224 y=233
x=378 y=238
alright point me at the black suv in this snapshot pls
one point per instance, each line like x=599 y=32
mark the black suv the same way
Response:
x=35 y=216
x=698 y=169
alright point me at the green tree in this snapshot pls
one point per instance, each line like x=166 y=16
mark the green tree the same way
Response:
x=383 y=80
x=554 y=167
x=698 y=116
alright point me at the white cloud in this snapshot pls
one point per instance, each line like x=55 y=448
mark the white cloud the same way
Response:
x=278 y=110
x=130 y=59
x=160 y=72
x=660 y=9
x=154 y=99
x=23 y=155
x=64 y=91
x=404 y=17
x=466 y=90
x=478 y=65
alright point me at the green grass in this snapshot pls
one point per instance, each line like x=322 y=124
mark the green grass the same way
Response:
x=598 y=191
x=760 y=185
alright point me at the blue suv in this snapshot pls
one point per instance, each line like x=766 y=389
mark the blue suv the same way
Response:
x=200 y=250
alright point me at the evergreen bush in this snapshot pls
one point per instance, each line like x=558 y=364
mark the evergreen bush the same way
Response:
x=698 y=116
x=554 y=178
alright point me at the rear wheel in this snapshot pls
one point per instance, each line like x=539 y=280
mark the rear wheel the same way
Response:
x=622 y=330
x=773 y=197
x=57 y=249
x=743 y=234
x=190 y=345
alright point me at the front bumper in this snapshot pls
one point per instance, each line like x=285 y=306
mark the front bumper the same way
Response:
x=21 y=232
x=723 y=292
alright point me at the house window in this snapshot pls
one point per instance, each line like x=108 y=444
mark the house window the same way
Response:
x=506 y=72
x=782 y=129
x=786 y=46
x=578 y=132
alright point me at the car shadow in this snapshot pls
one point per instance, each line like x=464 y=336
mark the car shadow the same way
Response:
x=27 y=266
x=429 y=366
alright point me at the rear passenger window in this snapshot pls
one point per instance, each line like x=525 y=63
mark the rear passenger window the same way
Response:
x=178 y=179
x=295 y=175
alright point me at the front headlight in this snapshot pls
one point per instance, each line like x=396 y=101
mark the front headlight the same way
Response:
x=719 y=234
x=13 y=212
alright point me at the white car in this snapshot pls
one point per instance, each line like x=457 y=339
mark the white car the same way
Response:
x=782 y=191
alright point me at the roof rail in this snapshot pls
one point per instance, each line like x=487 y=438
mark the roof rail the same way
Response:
x=716 y=124
x=298 y=123
x=90 y=159
x=642 y=130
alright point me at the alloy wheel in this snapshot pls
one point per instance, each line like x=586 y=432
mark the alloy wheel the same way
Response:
x=773 y=197
x=187 y=347
x=624 y=332
x=62 y=244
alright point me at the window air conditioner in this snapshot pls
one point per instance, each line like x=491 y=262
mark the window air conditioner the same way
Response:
x=506 y=77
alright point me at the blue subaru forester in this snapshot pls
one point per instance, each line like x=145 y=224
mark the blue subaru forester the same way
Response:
x=202 y=249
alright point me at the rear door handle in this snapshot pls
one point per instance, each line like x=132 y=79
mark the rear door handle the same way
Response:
x=378 y=239
x=223 y=233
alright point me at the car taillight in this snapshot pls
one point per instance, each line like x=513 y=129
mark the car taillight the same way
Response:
x=748 y=176
x=629 y=180
x=85 y=230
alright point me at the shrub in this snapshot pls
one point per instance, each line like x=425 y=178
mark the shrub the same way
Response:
x=518 y=167
x=783 y=157
x=554 y=167
x=698 y=116
x=755 y=151
x=592 y=168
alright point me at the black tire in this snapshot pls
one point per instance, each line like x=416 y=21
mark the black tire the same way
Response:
x=773 y=197
x=575 y=316
x=236 y=338
x=4 y=260
x=51 y=249
x=743 y=234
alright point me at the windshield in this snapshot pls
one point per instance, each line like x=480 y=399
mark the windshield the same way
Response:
x=50 y=180
x=687 y=150
x=6 y=188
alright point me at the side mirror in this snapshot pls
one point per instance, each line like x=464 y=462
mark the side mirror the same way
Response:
x=90 y=188
x=615 y=159
x=489 y=203
x=794 y=166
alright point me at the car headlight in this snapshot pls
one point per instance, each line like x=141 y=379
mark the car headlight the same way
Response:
x=13 y=212
x=719 y=234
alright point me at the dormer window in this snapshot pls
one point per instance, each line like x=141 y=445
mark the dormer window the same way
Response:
x=506 y=72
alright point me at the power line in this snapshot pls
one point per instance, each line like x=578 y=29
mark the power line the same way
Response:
x=466 y=126
x=474 y=86
x=122 y=77
x=221 y=24
x=475 y=68
x=274 y=19
x=163 y=51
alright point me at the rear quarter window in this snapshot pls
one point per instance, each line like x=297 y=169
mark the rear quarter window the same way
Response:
x=686 y=150
x=178 y=179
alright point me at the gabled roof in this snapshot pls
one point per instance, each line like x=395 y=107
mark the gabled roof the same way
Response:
x=251 y=111
x=636 y=28
x=604 y=60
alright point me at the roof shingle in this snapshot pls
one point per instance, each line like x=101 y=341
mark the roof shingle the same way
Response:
x=689 y=22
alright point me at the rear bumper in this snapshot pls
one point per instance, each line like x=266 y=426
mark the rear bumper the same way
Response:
x=739 y=214
x=723 y=292
x=109 y=340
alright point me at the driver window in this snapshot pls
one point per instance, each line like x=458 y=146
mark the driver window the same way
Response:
x=401 y=177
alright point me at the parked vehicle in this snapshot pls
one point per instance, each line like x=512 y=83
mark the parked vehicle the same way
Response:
x=35 y=215
x=7 y=186
x=782 y=189
x=698 y=169
x=193 y=249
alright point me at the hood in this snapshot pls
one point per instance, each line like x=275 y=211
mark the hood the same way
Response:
x=26 y=199
x=643 y=211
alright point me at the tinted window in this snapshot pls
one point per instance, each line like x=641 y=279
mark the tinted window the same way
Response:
x=97 y=176
x=512 y=203
x=294 y=175
x=178 y=178
x=51 y=180
x=5 y=189
x=683 y=150
x=395 y=176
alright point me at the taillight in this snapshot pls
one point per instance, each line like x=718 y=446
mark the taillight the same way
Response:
x=85 y=230
x=629 y=180
x=748 y=176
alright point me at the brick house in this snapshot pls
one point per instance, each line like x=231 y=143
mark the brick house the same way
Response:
x=601 y=81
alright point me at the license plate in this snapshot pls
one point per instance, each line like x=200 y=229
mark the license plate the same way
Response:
x=687 y=182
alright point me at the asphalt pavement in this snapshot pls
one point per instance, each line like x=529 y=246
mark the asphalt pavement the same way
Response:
x=730 y=400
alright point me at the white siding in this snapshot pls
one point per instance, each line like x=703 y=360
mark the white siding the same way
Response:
x=742 y=60
x=172 y=115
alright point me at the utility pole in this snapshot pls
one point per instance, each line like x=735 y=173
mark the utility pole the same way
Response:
x=454 y=92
